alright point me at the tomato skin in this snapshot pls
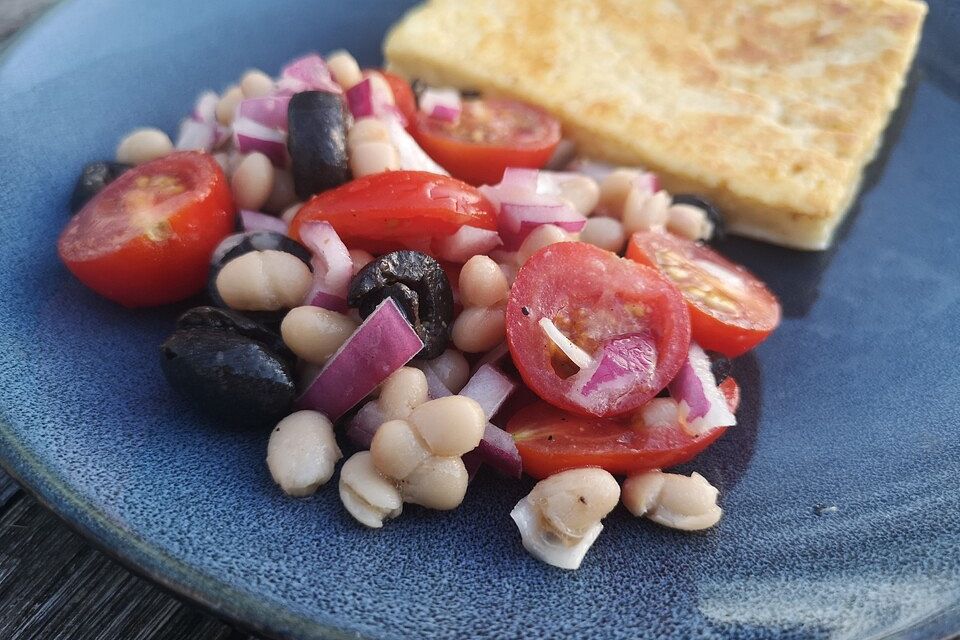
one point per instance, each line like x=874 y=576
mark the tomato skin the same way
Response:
x=402 y=95
x=386 y=211
x=551 y=440
x=453 y=146
x=727 y=331
x=599 y=298
x=171 y=262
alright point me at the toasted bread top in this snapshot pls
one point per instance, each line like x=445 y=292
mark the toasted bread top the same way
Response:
x=780 y=101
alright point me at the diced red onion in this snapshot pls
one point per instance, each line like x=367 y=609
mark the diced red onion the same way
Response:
x=701 y=402
x=472 y=462
x=490 y=388
x=205 y=108
x=256 y=221
x=498 y=449
x=494 y=356
x=369 y=98
x=577 y=355
x=435 y=386
x=442 y=104
x=364 y=425
x=412 y=157
x=251 y=136
x=332 y=265
x=270 y=111
x=197 y=136
x=624 y=362
x=465 y=243
x=524 y=205
x=308 y=73
x=381 y=345
x=329 y=301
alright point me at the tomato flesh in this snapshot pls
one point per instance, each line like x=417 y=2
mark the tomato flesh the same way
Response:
x=629 y=319
x=398 y=210
x=489 y=136
x=731 y=310
x=146 y=239
x=551 y=440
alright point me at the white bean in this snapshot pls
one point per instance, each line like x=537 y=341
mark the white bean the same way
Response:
x=614 y=191
x=360 y=259
x=582 y=192
x=283 y=193
x=643 y=211
x=143 y=145
x=542 y=236
x=290 y=212
x=450 y=426
x=571 y=502
x=302 y=452
x=227 y=107
x=479 y=329
x=315 y=334
x=255 y=84
x=689 y=221
x=252 y=182
x=368 y=158
x=264 y=281
x=368 y=496
x=344 y=69
x=367 y=130
x=397 y=449
x=680 y=502
x=603 y=232
x=482 y=283
x=452 y=369
x=438 y=483
x=403 y=391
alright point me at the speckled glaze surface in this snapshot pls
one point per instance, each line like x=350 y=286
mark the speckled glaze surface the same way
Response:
x=851 y=404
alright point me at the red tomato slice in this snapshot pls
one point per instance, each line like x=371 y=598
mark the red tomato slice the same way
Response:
x=146 y=239
x=628 y=318
x=731 y=310
x=398 y=209
x=551 y=440
x=402 y=95
x=490 y=136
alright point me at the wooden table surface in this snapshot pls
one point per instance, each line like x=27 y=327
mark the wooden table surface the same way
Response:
x=52 y=583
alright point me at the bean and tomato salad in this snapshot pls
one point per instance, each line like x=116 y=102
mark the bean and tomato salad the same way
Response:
x=425 y=276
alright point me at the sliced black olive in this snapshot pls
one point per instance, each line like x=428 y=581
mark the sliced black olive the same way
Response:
x=720 y=366
x=317 y=142
x=207 y=317
x=419 y=286
x=713 y=214
x=228 y=376
x=94 y=177
x=238 y=244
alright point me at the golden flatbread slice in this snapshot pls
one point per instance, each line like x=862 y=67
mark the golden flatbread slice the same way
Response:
x=772 y=108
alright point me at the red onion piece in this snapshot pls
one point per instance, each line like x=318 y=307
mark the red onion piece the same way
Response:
x=695 y=389
x=498 y=450
x=412 y=156
x=435 y=386
x=525 y=201
x=490 y=388
x=473 y=462
x=256 y=221
x=520 y=178
x=205 y=108
x=624 y=362
x=251 y=136
x=494 y=356
x=196 y=136
x=329 y=301
x=442 y=104
x=308 y=73
x=332 y=265
x=465 y=243
x=364 y=425
x=270 y=111
x=369 y=98
x=381 y=345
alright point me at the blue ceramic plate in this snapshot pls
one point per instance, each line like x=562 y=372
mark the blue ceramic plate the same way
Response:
x=852 y=404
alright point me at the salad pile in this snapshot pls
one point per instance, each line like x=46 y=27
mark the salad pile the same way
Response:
x=435 y=277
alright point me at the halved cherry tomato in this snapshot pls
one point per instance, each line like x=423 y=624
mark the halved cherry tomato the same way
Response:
x=146 y=239
x=631 y=321
x=490 y=136
x=383 y=212
x=551 y=440
x=731 y=310
x=402 y=95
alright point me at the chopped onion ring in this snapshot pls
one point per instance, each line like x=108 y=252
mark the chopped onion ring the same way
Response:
x=577 y=355
x=332 y=265
x=256 y=221
x=701 y=402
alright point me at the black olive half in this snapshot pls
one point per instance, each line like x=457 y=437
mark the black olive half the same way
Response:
x=238 y=244
x=229 y=376
x=713 y=214
x=317 y=142
x=420 y=288
x=207 y=317
x=94 y=177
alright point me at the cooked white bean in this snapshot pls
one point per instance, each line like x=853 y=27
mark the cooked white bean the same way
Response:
x=397 y=449
x=264 y=281
x=367 y=495
x=542 y=236
x=380 y=88
x=227 y=107
x=344 y=68
x=479 y=329
x=252 y=182
x=661 y=413
x=689 y=221
x=314 y=333
x=482 y=283
x=290 y=212
x=509 y=272
x=360 y=259
x=614 y=191
x=603 y=232
x=450 y=426
x=302 y=452
x=438 y=483
x=583 y=192
x=283 y=193
x=452 y=369
x=680 y=502
x=255 y=84
x=401 y=392
x=643 y=211
x=368 y=158
x=143 y=145
x=367 y=130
